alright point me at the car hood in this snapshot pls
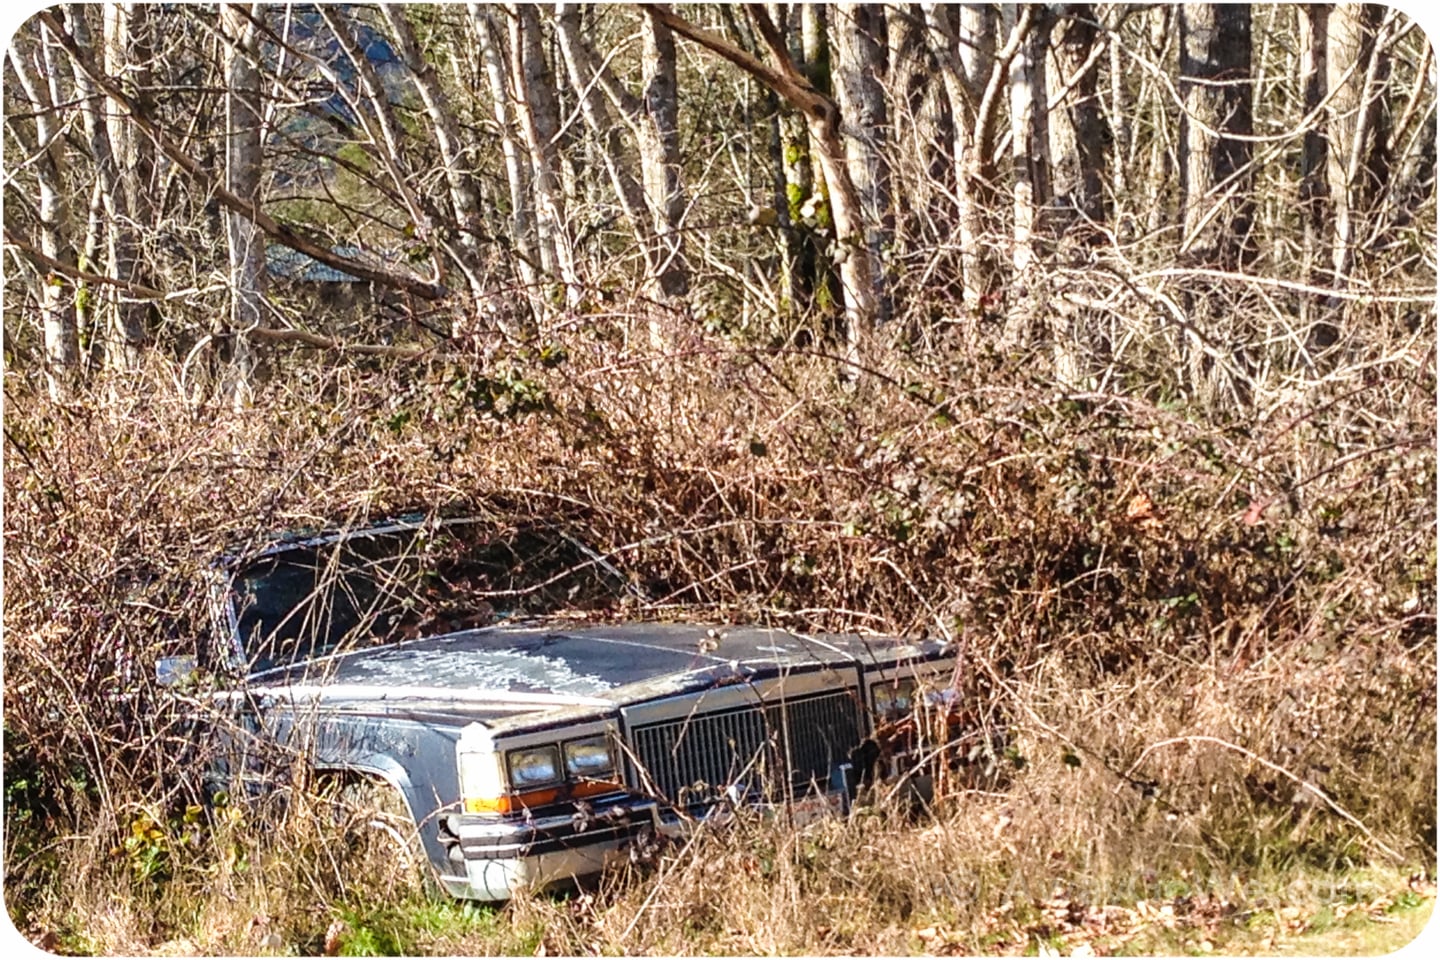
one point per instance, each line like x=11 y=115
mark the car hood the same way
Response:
x=522 y=668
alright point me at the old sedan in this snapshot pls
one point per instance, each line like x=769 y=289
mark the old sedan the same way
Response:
x=528 y=753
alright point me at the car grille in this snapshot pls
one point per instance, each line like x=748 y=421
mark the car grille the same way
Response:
x=769 y=751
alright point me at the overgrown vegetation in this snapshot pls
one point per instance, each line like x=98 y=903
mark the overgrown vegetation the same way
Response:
x=1096 y=339
x=1191 y=620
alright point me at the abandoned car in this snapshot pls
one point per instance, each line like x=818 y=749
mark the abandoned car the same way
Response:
x=531 y=752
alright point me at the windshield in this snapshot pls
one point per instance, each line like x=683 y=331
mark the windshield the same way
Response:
x=378 y=586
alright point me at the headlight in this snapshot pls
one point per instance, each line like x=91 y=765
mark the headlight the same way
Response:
x=589 y=759
x=893 y=699
x=533 y=767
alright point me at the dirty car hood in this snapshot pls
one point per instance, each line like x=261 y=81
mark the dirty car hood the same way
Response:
x=555 y=664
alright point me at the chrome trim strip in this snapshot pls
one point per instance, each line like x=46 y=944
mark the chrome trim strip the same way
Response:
x=369 y=693
x=741 y=692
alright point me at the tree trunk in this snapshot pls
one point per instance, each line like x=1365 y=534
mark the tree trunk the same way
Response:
x=246 y=244
x=1121 y=118
x=128 y=54
x=798 y=259
x=1314 y=25
x=1216 y=199
x=1077 y=124
x=660 y=156
x=534 y=98
x=35 y=69
x=517 y=168
x=859 y=65
x=122 y=320
x=1355 y=68
x=1215 y=86
x=1030 y=169
x=972 y=78
x=918 y=118
x=1077 y=154
x=815 y=65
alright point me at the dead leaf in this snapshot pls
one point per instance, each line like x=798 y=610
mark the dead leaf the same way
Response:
x=1142 y=512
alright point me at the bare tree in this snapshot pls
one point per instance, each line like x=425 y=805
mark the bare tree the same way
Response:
x=653 y=204
x=533 y=93
x=33 y=64
x=1216 y=199
x=587 y=79
x=859 y=67
x=464 y=197
x=123 y=318
x=941 y=162
x=215 y=187
x=245 y=242
x=1030 y=168
x=857 y=272
x=1077 y=173
x=660 y=161
x=921 y=127
x=1355 y=167
x=517 y=166
x=1215 y=130
x=974 y=73
x=128 y=37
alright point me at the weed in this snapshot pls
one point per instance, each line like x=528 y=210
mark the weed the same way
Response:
x=1154 y=763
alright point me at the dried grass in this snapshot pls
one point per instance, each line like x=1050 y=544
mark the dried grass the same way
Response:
x=1119 y=568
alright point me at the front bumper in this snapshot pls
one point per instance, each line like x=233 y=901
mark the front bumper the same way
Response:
x=503 y=857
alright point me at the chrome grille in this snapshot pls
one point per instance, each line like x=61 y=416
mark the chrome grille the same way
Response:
x=772 y=750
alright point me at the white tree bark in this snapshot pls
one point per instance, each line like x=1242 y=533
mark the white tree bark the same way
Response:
x=517 y=167
x=121 y=321
x=463 y=196
x=1030 y=165
x=660 y=156
x=859 y=65
x=34 y=67
x=532 y=92
x=246 y=244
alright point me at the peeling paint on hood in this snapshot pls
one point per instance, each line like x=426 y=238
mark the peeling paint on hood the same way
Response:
x=476 y=669
x=524 y=668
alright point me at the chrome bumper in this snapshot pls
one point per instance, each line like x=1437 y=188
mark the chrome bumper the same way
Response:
x=504 y=857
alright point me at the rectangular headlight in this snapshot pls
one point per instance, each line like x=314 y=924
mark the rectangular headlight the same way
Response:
x=589 y=759
x=894 y=698
x=533 y=767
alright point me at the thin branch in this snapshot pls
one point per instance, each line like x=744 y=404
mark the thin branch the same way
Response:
x=277 y=231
